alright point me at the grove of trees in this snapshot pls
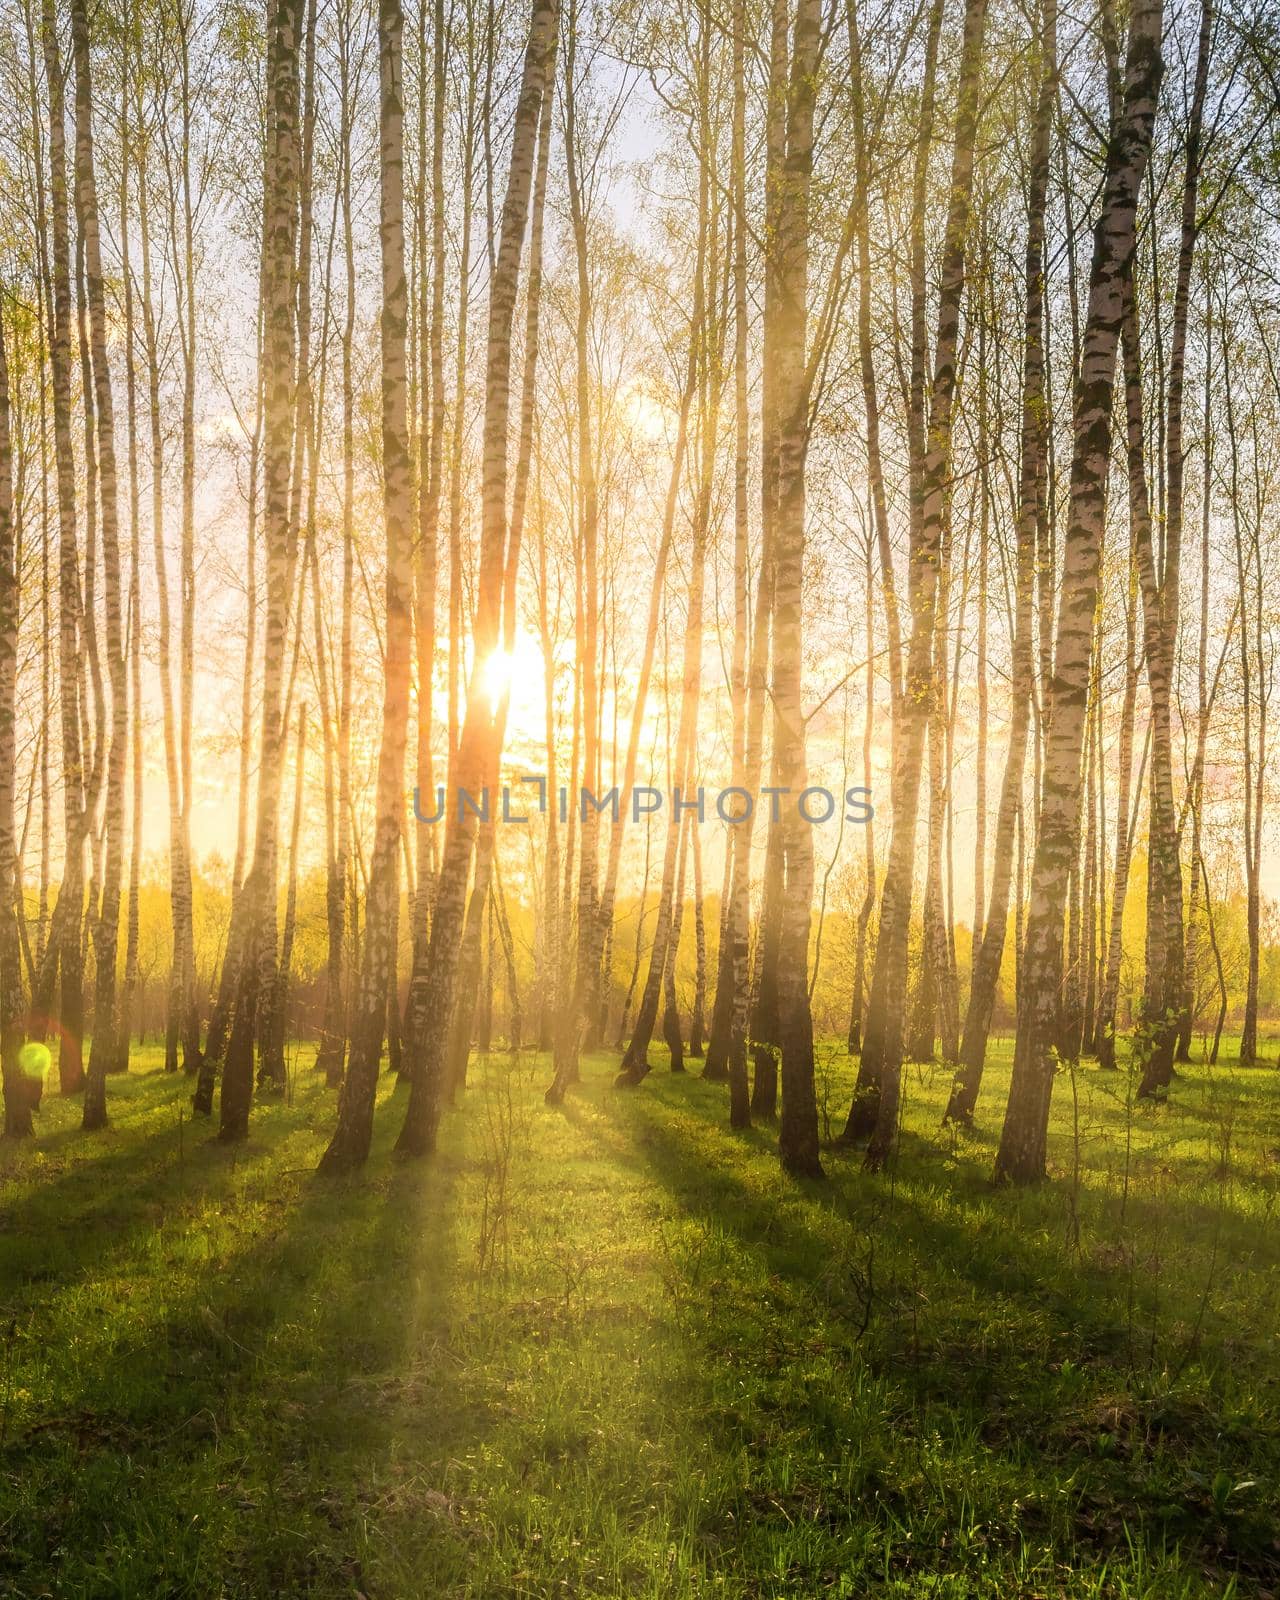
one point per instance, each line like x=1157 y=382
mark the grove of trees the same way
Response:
x=487 y=493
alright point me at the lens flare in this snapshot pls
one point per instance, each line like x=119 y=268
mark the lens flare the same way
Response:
x=34 y=1059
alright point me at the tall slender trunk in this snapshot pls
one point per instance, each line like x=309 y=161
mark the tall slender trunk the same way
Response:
x=635 y=1063
x=1253 y=687
x=1160 y=1030
x=251 y=938
x=866 y=909
x=697 y=1016
x=764 y=997
x=879 y=534
x=671 y=1033
x=735 y=961
x=549 y=929
x=106 y=935
x=515 y=1012
x=1105 y=1023
x=284 y=968
x=332 y=1046
x=582 y=1009
x=980 y=647
x=787 y=307
x=183 y=895
x=885 y=1017
x=1091 y=892
x=1195 y=785
x=179 y=875
x=876 y=1101
x=65 y=932
x=331 y=1057
x=93 y=704
x=45 y=954
x=457 y=441
x=229 y=977
x=942 y=1006
x=430 y=461
x=1165 y=994
x=989 y=953
x=470 y=984
x=866 y=364
x=132 y=975
x=17 y=1095
x=478 y=750
x=1021 y=1157
x=608 y=892
x=349 y=1146
x=271 y=1067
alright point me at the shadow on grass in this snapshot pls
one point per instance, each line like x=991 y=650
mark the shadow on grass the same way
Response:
x=196 y=1437
x=88 y=1197
x=990 y=1334
x=260 y=1384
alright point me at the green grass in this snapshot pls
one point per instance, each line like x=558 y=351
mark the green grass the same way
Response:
x=642 y=1363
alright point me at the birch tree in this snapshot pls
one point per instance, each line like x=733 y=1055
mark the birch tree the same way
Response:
x=1021 y=1156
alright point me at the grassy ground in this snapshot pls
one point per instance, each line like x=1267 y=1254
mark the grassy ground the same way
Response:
x=610 y=1350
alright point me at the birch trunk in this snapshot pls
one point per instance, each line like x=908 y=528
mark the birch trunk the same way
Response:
x=1021 y=1157
x=107 y=933
x=129 y=989
x=1165 y=995
x=738 y=921
x=635 y=1062
x=583 y=1004
x=798 y=1127
x=17 y=1096
x=331 y=1057
x=1031 y=513
x=876 y=1100
x=183 y=990
x=885 y=1014
x=251 y=938
x=68 y=913
x=1105 y=1025
x=349 y=1146
x=478 y=753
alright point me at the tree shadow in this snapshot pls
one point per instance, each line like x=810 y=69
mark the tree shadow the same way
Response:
x=243 y=1380
x=988 y=1330
x=88 y=1196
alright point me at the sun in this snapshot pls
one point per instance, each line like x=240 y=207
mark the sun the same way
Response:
x=518 y=677
x=495 y=678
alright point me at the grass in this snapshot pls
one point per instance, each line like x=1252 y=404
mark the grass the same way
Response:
x=610 y=1350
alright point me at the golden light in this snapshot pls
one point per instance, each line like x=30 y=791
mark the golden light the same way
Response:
x=496 y=678
x=647 y=414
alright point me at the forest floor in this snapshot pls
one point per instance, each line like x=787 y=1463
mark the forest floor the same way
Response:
x=611 y=1350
